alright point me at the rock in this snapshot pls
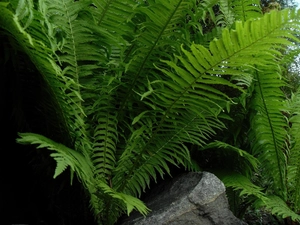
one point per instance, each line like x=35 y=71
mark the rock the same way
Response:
x=194 y=198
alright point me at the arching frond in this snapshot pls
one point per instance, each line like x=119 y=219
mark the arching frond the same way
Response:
x=160 y=146
x=132 y=91
x=113 y=15
x=84 y=169
x=227 y=17
x=74 y=159
x=250 y=160
x=157 y=31
x=32 y=37
x=105 y=136
x=277 y=206
x=267 y=136
x=77 y=47
x=246 y=9
x=241 y=183
x=187 y=89
x=199 y=20
x=238 y=10
x=293 y=172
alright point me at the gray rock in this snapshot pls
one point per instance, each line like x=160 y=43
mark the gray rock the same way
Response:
x=195 y=198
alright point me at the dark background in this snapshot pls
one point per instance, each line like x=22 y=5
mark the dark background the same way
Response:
x=28 y=192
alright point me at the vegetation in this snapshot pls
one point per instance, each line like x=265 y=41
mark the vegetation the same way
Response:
x=131 y=88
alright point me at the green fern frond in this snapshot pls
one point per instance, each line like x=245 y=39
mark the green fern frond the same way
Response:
x=190 y=92
x=84 y=170
x=157 y=30
x=238 y=10
x=267 y=122
x=105 y=137
x=293 y=172
x=113 y=15
x=38 y=45
x=277 y=206
x=152 y=150
x=198 y=19
x=83 y=56
x=253 y=162
x=227 y=17
x=61 y=164
x=246 y=9
x=75 y=160
x=242 y=184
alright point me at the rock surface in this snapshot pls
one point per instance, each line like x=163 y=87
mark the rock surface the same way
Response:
x=195 y=198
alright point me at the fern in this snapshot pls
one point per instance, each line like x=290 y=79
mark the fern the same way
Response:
x=267 y=133
x=250 y=160
x=155 y=34
x=293 y=169
x=83 y=168
x=236 y=10
x=278 y=206
x=171 y=97
x=105 y=137
x=131 y=91
x=62 y=163
x=241 y=183
x=246 y=9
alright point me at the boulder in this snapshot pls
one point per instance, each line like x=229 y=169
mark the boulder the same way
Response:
x=194 y=198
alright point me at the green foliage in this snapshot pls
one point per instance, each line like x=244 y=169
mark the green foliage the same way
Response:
x=278 y=206
x=293 y=169
x=134 y=83
x=266 y=134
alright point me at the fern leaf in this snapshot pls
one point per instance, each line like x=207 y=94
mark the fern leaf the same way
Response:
x=267 y=135
x=113 y=15
x=199 y=19
x=246 y=9
x=226 y=18
x=278 y=206
x=61 y=165
x=189 y=94
x=83 y=168
x=151 y=150
x=156 y=30
x=241 y=183
x=293 y=172
x=39 y=46
x=75 y=160
x=244 y=154
x=105 y=137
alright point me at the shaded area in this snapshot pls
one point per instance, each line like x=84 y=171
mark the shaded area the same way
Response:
x=29 y=194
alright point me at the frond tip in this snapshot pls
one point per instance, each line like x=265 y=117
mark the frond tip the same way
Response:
x=241 y=183
x=277 y=207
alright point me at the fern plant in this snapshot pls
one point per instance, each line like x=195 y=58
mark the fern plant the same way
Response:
x=267 y=137
x=133 y=83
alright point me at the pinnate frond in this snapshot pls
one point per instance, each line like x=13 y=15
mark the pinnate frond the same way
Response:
x=156 y=33
x=293 y=172
x=242 y=184
x=187 y=90
x=246 y=9
x=277 y=206
x=84 y=170
x=249 y=159
x=267 y=134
